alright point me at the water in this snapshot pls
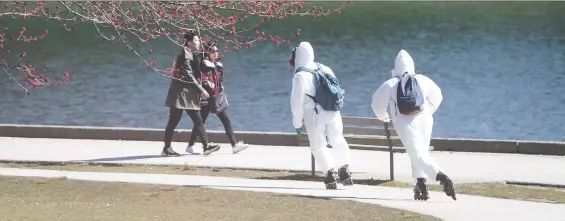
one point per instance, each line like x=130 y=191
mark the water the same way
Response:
x=500 y=66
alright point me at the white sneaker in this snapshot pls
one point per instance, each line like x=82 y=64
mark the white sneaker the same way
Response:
x=239 y=146
x=190 y=150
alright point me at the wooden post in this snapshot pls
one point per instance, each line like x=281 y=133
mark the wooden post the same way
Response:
x=391 y=167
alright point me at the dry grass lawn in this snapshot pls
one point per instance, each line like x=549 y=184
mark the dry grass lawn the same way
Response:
x=61 y=199
x=498 y=190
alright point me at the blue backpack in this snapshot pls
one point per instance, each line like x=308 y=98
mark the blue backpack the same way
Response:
x=409 y=97
x=329 y=94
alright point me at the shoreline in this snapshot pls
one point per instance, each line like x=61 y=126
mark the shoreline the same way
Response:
x=268 y=138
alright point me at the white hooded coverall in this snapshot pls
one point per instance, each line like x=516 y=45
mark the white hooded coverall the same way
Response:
x=415 y=131
x=321 y=124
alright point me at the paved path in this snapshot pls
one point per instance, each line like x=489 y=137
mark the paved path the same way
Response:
x=467 y=207
x=462 y=167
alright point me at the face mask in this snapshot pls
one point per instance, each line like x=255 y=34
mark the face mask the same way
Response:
x=196 y=43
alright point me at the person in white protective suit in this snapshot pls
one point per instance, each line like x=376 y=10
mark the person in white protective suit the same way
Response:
x=415 y=129
x=319 y=123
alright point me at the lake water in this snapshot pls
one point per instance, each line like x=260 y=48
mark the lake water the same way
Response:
x=500 y=66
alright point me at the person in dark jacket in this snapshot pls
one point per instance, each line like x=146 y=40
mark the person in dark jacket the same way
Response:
x=185 y=96
x=217 y=103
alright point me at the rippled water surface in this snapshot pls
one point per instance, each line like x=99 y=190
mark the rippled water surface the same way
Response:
x=500 y=65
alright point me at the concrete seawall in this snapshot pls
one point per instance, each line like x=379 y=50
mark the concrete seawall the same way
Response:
x=145 y=134
x=267 y=138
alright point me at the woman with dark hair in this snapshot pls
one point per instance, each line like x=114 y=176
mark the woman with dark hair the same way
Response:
x=217 y=103
x=183 y=96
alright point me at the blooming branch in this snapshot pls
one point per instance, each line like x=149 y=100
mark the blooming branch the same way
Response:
x=236 y=24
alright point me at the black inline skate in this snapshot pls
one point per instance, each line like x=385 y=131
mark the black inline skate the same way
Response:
x=345 y=175
x=447 y=185
x=421 y=190
x=331 y=180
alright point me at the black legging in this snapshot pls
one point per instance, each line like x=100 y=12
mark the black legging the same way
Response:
x=174 y=119
x=225 y=121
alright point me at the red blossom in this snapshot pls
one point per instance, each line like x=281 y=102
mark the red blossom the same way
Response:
x=135 y=23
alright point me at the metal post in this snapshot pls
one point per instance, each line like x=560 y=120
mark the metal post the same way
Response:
x=312 y=160
x=391 y=167
x=313 y=165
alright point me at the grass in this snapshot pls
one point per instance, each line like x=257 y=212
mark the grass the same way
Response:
x=492 y=189
x=61 y=199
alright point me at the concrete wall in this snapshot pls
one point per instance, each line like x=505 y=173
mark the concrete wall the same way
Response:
x=475 y=145
x=266 y=138
x=145 y=134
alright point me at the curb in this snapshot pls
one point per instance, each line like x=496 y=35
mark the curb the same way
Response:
x=519 y=183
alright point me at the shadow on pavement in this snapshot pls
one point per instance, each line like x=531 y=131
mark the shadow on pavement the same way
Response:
x=249 y=187
x=317 y=178
x=348 y=197
x=139 y=157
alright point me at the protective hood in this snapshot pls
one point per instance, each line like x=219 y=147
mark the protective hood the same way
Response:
x=304 y=56
x=403 y=64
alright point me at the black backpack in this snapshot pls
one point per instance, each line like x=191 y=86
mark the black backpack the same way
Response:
x=409 y=97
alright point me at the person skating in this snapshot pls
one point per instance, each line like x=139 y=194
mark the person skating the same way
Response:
x=321 y=118
x=413 y=99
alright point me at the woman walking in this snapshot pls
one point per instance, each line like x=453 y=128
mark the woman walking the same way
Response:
x=217 y=103
x=185 y=97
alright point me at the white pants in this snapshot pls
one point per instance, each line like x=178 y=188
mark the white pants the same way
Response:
x=327 y=124
x=415 y=133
